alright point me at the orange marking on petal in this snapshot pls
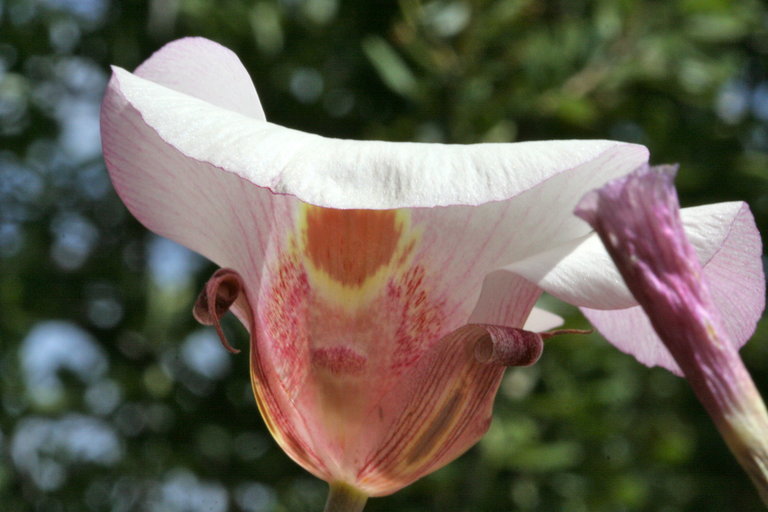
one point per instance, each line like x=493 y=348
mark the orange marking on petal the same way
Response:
x=351 y=245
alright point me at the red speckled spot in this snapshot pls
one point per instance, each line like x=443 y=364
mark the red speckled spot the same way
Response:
x=284 y=316
x=351 y=245
x=421 y=317
x=339 y=360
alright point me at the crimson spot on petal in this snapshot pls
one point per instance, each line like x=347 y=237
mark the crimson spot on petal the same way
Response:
x=339 y=360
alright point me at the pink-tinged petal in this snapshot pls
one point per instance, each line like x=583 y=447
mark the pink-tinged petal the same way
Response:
x=501 y=303
x=630 y=331
x=446 y=404
x=206 y=70
x=733 y=273
x=582 y=273
x=578 y=272
x=186 y=200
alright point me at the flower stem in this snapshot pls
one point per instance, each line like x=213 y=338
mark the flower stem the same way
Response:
x=344 y=498
x=743 y=423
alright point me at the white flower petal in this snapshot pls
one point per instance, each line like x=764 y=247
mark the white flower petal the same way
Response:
x=206 y=70
x=218 y=181
x=354 y=174
x=541 y=320
x=581 y=273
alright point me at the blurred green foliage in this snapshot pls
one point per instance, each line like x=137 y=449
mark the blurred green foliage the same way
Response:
x=112 y=398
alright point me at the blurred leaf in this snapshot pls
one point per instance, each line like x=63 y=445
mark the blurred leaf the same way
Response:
x=390 y=67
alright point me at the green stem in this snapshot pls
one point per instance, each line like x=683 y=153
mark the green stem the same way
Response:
x=344 y=498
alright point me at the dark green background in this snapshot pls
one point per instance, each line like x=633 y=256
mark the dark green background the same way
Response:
x=113 y=399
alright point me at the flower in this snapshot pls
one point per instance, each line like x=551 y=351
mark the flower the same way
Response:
x=638 y=220
x=384 y=285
